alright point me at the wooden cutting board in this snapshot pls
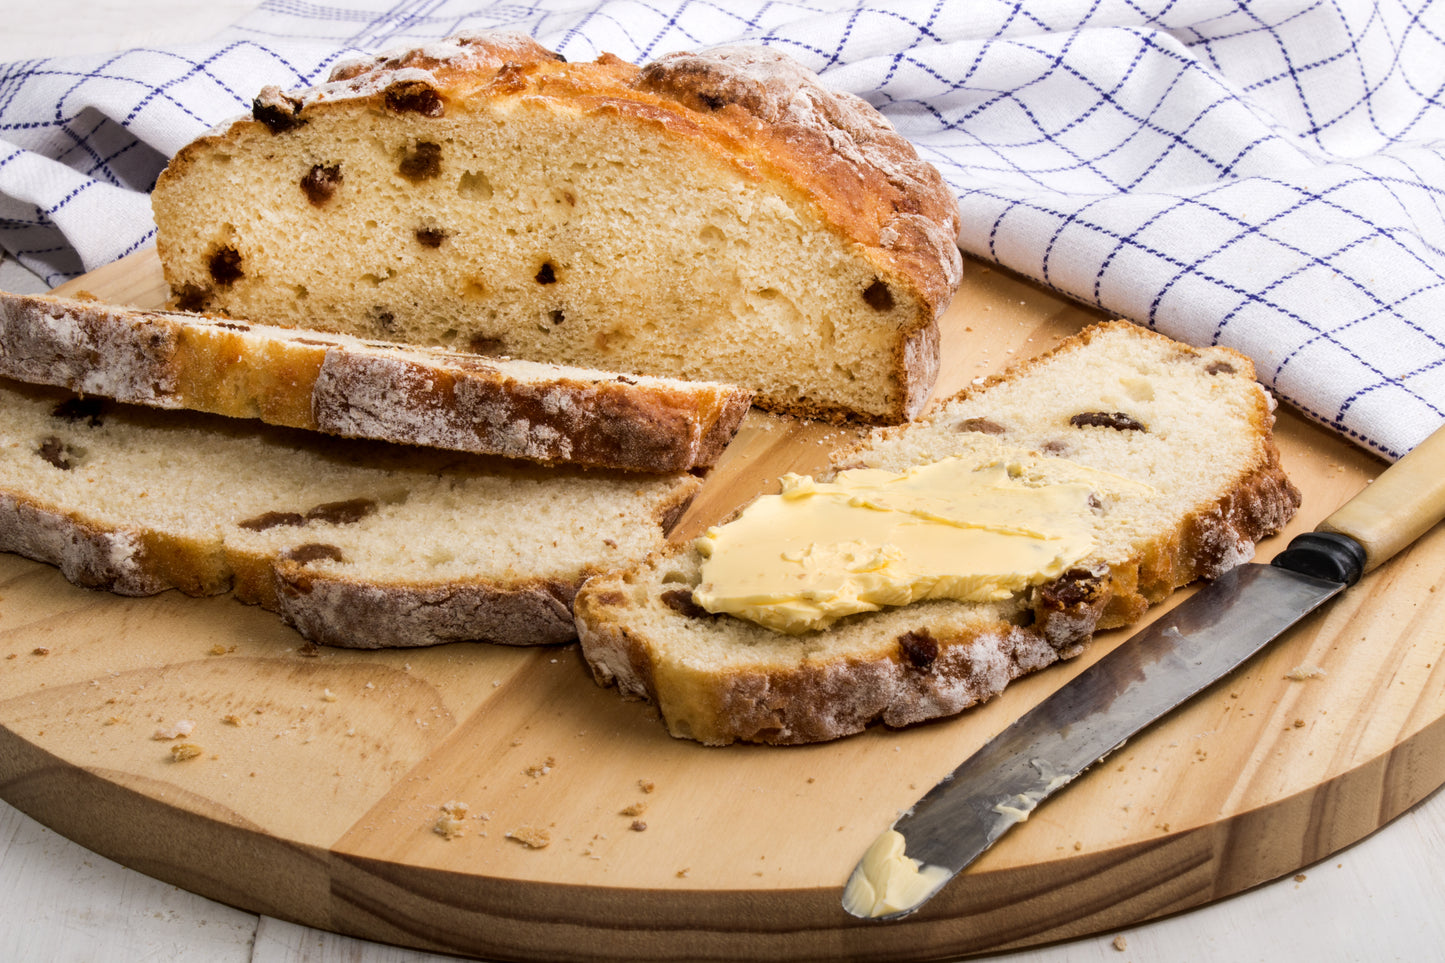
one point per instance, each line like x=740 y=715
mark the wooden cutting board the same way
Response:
x=322 y=775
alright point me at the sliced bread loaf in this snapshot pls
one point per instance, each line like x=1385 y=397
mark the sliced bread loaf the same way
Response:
x=717 y=216
x=356 y=544
x=368 y=389
x=1189 y=478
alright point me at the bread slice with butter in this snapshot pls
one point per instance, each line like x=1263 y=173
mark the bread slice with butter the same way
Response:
x=1175 y=446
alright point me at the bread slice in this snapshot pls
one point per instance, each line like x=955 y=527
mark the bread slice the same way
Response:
x=718 y=216
x=356 y=544
x=368 y=389
x=1191 y=424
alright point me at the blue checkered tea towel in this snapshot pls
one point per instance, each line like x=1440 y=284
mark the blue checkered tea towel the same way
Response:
x=1265 y=174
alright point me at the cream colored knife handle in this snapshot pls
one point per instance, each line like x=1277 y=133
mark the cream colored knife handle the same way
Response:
x=1398 y=507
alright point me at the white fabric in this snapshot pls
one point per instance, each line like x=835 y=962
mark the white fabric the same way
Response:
x=1265 y=175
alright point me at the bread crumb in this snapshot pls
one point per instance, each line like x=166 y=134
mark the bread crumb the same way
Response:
x=1121 y=944
x=646 y=785
x=452 y=821
x=327 y=695
x=184 y=751
x=541 y=768
x=530 y=836
x=636 y=809
x=1299 y=723
x=233 y=720
x=180 y=728
x=682 y=873
x=1299 y=877
x=1304 y=671
x=113 y=721
x=40 y=650
x=638 y=826
x=219 y=649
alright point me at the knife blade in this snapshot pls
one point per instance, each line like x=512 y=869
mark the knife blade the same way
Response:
x=1161 y=667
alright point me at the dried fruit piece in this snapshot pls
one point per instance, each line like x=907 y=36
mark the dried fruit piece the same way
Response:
x=1117 y=420
x=225 y=266
x=421 y=162
x=878 y=296
x=320 y=183
x=986 y=426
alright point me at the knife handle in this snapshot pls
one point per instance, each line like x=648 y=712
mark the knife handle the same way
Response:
x=1399 y=506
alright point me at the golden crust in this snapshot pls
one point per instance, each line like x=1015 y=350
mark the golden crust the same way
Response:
x=748 y=108
x=753 y=106
x=324 y=382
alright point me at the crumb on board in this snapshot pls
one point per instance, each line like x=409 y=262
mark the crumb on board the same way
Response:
x=1120 y=943
x=636 y=809
x=638 y=826
x=1304 y=671
x=452 y=821
x=185 y=750
x=646 y=785
x=175 y=730
x=541 y=768
x=233 y=720
x=40 y=650
x=327 y=695
x=530 y=836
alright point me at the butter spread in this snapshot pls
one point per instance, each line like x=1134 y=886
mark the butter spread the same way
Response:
x=1018 y=807
x=950 y=529
x=888 y=881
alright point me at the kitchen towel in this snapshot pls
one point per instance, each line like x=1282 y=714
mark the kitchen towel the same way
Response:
x=1264 y=174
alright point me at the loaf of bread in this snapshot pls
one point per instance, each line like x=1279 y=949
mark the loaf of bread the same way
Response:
x=1182 y=439
x=716 y=216
x=355 y=543
x=345 y=386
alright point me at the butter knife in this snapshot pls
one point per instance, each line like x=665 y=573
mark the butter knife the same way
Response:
x=1162 y=666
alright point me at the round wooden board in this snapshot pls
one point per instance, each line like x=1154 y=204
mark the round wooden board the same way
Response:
x=322 y=774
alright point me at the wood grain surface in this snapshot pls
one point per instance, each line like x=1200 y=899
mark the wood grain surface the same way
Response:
x=322 y=774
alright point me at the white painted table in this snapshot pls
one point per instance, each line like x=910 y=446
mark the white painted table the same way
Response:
x=1383 y=899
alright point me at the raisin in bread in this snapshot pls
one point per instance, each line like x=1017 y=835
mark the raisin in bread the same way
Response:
x=368 y=389
x=1191 y=425
x=356 y=544
x=717 y=216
